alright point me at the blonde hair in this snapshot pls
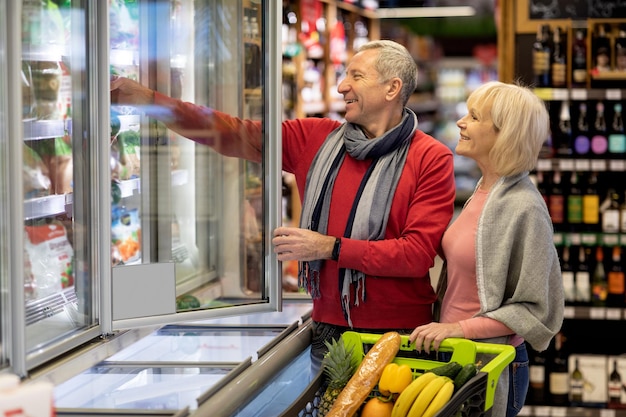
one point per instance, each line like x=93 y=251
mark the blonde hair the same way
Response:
x=521 y=120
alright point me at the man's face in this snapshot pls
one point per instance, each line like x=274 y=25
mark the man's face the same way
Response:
x=363 y=90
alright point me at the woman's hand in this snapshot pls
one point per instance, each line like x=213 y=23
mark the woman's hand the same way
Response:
x=429 y=336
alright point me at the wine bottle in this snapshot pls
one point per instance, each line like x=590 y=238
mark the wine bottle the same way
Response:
x=567 y=273
x=559 y=60
x=575 y=202
x=541 y=56
x=616 y=280
x=622 y=216
x=559 y=375
x=556 y=200
x=579 y=60
x=599 y=283
x=591 y=204
x=599 y=142
x=576 y=385
x=582 y=143
x=582 y=277
x=564 y=141
x=610 y=212
x=601 y=51
x=617 y=139
x=615 y=385
x=537 y=376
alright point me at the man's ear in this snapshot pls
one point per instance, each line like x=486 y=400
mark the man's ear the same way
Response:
x=394 y=88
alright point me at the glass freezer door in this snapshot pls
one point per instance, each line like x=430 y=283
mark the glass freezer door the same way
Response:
x=56 y=258
x=4 y=178
x=189 y=225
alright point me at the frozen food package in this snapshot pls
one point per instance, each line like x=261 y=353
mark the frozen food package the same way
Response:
x=125 y=235
x=36 y=176
x=56 y=154
x=51 y=258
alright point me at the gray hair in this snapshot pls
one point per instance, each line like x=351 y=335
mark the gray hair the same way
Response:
x=394 y=60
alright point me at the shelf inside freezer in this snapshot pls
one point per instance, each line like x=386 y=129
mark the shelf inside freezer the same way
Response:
x=137 y=387
x=49 y=205
x=180 y=344
x=45 y=129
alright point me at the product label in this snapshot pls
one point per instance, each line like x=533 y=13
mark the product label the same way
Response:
x=583 y=290
x=575 y=209
x=591 y=209
x=537 y=375
x=610 y=221
x=616 y=282
x=617 y=143
x=559 y=383
x=569 y=286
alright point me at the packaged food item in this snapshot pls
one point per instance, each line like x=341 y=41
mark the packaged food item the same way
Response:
x=125 y=235
x=56 y=154
x=36 y=176
x=50 y=255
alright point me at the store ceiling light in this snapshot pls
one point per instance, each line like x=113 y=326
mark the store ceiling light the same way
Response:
x=409 y=12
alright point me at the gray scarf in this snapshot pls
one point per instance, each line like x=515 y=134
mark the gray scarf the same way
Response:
x=371 y=206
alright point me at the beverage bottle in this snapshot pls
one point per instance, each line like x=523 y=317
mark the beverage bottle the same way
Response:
x=556 y=201
x=579 y=59
x=537 y=376
x=541 y=56
x=559 y=375
x=617 y=139
x=599 y=283
x=564 y=145
x=582 y=277
x=567 y=273
x=610 y=212
x=591 y=204
x=616 y=280
x=559 y=60
x=575 y=202
x=615 y=385
x=582 y=143
x=599 y=141
x=576 y=385
x=542 y=186
x=601 y=51
x=620 y=48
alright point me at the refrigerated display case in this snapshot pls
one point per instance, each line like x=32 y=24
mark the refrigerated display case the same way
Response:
x=117 y=225
x=4 y=178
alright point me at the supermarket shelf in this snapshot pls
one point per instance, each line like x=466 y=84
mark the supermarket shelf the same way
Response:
x=45 y=129
x=583 y=164
x=49 y=306
x=49 y=205
x=546 y=411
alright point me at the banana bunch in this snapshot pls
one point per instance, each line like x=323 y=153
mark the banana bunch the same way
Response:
x=424 y=397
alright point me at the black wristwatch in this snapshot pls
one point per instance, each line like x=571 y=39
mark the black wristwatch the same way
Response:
x=336 y=249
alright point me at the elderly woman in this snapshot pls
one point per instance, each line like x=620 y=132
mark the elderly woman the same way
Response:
x=501 y=282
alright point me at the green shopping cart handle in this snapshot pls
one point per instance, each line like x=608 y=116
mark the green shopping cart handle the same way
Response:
x=464 y=351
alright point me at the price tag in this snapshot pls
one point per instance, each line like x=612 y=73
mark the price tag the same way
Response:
x=575 y=239
x=613 y=94
x=598 y=165
x=617 y=165
x=605 y=412
x=557 y=412
x=544 y=93
x=560 y=94
x=579 y=94
x=610 y=239
x=566 y=165
x=588 y=239
x=569 y=312
x=583 y=165
x=613 y=313
x=542 y=411
x=544 y=165
x=597 y=313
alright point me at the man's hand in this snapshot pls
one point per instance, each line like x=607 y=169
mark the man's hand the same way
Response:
x=127 y=91
x=295 y=244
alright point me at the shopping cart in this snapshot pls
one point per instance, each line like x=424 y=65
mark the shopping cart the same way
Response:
x=474 y=399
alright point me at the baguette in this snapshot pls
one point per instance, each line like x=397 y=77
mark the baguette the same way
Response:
x=366 y=376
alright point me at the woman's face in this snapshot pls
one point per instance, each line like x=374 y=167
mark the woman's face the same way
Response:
x=478 y=134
